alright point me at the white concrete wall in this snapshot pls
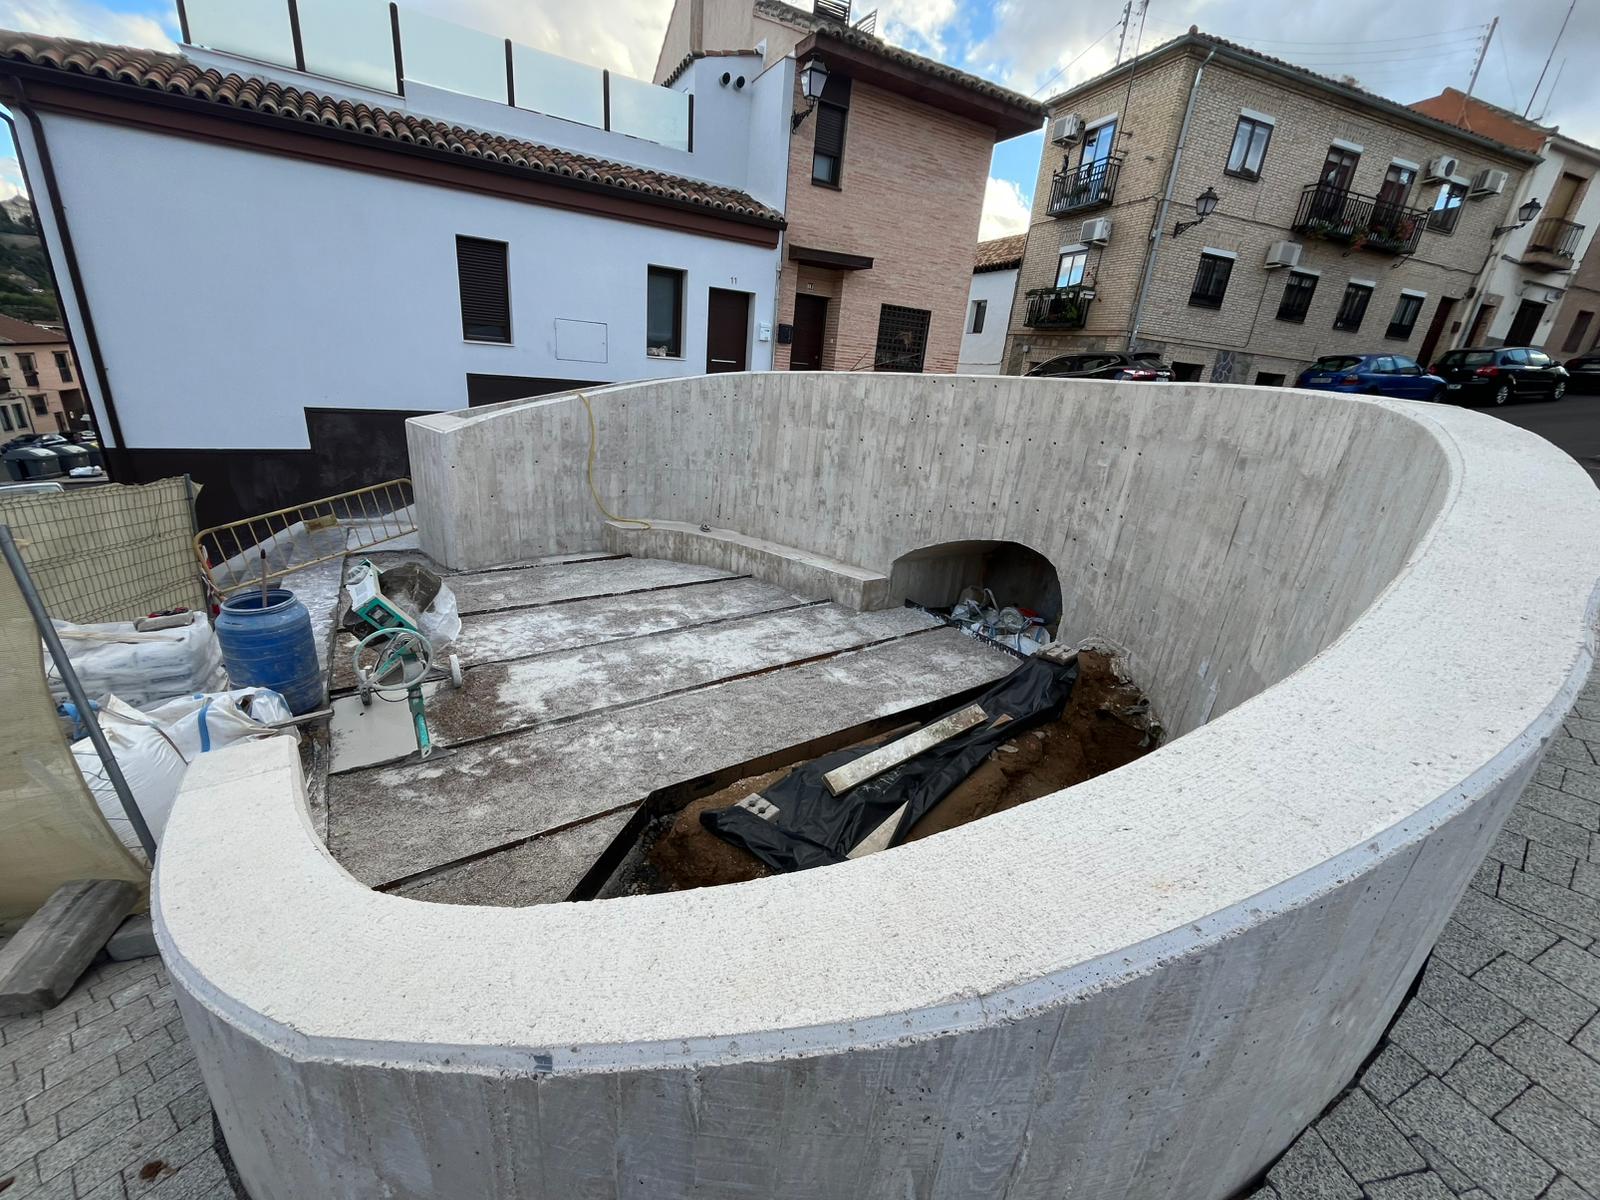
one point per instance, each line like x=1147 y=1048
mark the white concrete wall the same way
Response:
x=982 y=353
x=1141 y=988
x=231 y=289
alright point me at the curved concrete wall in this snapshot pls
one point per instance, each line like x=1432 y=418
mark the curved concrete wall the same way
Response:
x=1142 y=987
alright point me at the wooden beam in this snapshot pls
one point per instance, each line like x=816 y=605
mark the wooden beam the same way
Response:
x=842 y=779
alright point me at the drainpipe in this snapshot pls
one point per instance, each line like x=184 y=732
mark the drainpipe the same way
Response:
x=1166 y=202
x=91 y=340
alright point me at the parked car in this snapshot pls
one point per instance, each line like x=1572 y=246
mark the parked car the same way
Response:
x=1371 y=375
x=1500 y=374
x=1105 y=364
x=1584 y=372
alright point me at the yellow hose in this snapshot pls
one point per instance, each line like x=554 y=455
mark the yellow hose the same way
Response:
x=593 y=439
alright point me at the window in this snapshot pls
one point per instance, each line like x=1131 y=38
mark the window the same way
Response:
x=5 y=419
x=25 y=361
x=1250 y=138
x=1297 y=293
x=22 y=420
x=902 y=338
x=1447 y=208
x=1354 y=307
x=979 y=308
x=64 y=366
x=827 y=151
x=1211 y=281
x=1069 y=268
x=40 y=405
x=1538 y=358
x=1184 y=372
x=485 y=290
x=1406 y=366
x=5 y=383
x=1269 y=379
x=1579 y=327
x=1405 y=316
x=664 y=313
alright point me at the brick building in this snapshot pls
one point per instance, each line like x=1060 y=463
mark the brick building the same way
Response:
x=1577 y=328
x=39 y=388
x=886 y=183
x=1343 y=221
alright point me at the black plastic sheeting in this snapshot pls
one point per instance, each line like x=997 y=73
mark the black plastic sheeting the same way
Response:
x=814 y=828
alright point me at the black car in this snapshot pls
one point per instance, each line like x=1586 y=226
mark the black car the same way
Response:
x=1585 y=372
x=1105 y=364
x=1499 y=375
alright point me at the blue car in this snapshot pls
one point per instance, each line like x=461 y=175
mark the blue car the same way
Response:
x=1371 y=375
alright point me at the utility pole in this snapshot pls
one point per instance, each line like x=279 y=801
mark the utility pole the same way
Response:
x=1483 y=51
x=1559 y=33
x=1122 y=38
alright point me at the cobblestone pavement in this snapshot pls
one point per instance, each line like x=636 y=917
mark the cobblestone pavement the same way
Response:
x=1487 y=1089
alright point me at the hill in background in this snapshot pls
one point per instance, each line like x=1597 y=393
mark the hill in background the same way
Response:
x=25 y=290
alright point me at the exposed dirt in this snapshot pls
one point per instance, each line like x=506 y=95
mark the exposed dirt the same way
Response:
x=1105 y=726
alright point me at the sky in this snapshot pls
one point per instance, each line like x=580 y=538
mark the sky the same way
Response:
x=1037 y=47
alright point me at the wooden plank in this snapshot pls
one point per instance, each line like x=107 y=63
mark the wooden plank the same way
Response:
x=48 y=954
x=852 y=774
x=879 y=838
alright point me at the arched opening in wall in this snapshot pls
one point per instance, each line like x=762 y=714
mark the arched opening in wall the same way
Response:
x=999 y=575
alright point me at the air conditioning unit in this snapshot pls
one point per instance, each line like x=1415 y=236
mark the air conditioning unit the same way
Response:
x=1490 y=182
x=1096 y=232
x=1442 y=168
x=1065 y=130
x=1284 y=254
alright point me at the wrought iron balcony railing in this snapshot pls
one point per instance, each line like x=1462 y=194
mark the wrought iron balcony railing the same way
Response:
x=1556 y=237
x=1059 y=308
x=1363 y=222
x=1074 y=189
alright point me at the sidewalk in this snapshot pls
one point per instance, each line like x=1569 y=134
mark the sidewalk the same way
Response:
x=1489 y=1088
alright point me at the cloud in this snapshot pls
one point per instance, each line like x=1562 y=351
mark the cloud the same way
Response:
x=920 y=25
x=10 y=178
x=156 y=28
x=1005 y=210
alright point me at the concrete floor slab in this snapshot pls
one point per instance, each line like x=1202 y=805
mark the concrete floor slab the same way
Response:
x=380 y=732
x=487 y=591
x=391 y=823
x=543 y=870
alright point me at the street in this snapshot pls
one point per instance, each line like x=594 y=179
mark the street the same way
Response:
x=1573 y=423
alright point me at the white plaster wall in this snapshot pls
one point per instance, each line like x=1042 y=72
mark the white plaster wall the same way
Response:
x=982 y=353
x=1140 y=988
x=232 y=289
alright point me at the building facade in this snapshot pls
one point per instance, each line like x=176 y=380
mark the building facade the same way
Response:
x=994 y=287
x=886 y=175
x=40 y=391
x=1523 y=288
x=266 y=270
x=1342 y=222
x=1577 y=327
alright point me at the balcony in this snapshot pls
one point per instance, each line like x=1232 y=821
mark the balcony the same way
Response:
x=1361 y=222
x=1078 y=189
x=1059 y=308
x=1554 y=242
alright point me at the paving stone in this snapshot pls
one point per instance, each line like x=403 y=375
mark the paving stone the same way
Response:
x=1487 y=1081
x=1544 y=899
x=145 y=1047
x=1570 y=1075
x=1309 y=1171
x=164 y=1091
x=1504 y=926
x=1586 y=878
x=22 y=1144
x=68 y=1151
x=1579 y=970
x=1365 y=1141
x=132 y=1147
x=1485 y=1153
x=1569 y=752
x=1426 y=1186
x=1585 y=730
x=194 y=1105
x=1391 y=1074
x=204 y=1179
x=1564 y=1189
x=1464 y=949
x=1486 y=878
x=1588 y=1039
x=107 y=1096
x=1578 y=783
x=53 y=1100
x=1552 y=774
x=1553 y=866
x=1466 y=1005
x=173 y=1154
x=1441 y=1165
x=1553 y=1005
x=1557 y=1134
x=1574 y=810
x=1429 y=1038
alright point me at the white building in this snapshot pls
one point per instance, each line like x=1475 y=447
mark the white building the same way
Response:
x=267 y=268
x=994 y=283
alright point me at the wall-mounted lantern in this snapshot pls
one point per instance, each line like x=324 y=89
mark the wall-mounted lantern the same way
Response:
x=1204 y=205
x=813 y=78
x=1526 y=213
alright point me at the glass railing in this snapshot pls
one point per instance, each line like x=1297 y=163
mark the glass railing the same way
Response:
x=382 y=46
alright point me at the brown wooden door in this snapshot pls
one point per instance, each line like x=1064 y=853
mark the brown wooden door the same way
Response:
x=1441 y=316
x=1525 y=323
x=810 y=322
x=727 y=331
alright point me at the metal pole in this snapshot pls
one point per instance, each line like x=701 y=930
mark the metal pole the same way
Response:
x=58 y=653
x=1483 y=52
x=1560 y=33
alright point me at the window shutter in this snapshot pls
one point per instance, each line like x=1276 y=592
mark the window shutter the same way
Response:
x=830 y=130
x=485 y=290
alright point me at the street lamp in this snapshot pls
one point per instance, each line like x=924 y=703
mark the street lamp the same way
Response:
x=813 y=78
x=1204 y=205
x=1526 y=213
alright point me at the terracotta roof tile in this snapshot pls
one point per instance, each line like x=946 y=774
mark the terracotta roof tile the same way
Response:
x=176 y=75
x=20 y=333
x=689 y=59
x=998 y=254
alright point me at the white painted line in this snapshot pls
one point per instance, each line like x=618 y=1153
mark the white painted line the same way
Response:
x=842 y=779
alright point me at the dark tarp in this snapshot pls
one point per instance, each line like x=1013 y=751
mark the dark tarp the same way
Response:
x=813 y=828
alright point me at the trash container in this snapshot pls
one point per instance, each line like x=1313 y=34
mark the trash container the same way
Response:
x=70 y=455
x=32 y=462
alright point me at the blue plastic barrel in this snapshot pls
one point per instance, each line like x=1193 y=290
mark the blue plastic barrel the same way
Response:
x=271 y=646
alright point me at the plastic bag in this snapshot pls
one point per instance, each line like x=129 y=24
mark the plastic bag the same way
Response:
x=140 y=668
x=440 y=623
x=154 y=748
